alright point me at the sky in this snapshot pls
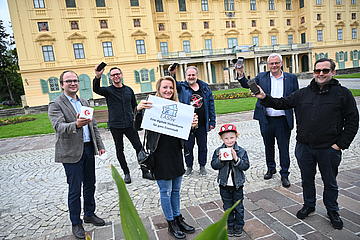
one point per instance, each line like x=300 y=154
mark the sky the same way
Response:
x=4 y=14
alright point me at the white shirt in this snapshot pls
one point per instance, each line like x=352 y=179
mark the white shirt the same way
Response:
x=277 y=91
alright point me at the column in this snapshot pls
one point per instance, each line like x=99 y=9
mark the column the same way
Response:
x=206 y=78
x=162 y=70
x=310 y=62
x=297 y=62
x=182 y=72
x=292 y=63
x=230 y=71
x=209 y=72
x=256 y=66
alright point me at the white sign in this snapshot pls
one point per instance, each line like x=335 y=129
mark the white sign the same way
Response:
x=225 y=154
x=168 y=117
x=86 y=112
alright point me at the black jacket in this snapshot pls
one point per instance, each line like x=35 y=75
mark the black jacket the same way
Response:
x=324 y=116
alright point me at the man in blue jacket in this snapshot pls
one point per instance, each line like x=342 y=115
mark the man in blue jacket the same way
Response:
x=198 y=94
x=275 y=124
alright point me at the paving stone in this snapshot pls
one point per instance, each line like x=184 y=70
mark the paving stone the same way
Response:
x=267 y=205
x=316 y=236
x=343 y=234
x=215 y=215
x=274 y=236
x=285 y=218
x=319 y=223
x=204 y=222
x=290 y=194
x=301 y=228
x=209 y=206
x=103 y=233
x=351 y=216
x=352 y=227
x=350 y=194
x=283 y=231
x=349 y=203
x=196 y=211
x=118 y=232
x=255 y=229
x=264 y=216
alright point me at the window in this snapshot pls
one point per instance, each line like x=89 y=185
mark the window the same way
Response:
x=204 y=5
x=134 y=3
x=164 y=48
x=273 y=40
x=70 y=3
x=302 y=20
x=303 y=38
x=318 y=16
x=108 y=50
x=353 y=33
x=271 y=4
x=288 y=22
x=232 y=42
x=253 y=5
x=39 y=4
x=48 y=53
x=227 y=24
x=206 y=25
x=229 y=5
x=338 y=2
x=318 y=2
x=340 y=34
x=54 y=84
x=353 y=16
x=338 y=16
x=301 y=2
x=161 y=27
x=272 y=22
x=43 y=26
x=103 y=24
x=182 y=5
x=74 y=25
x=100 y=3
x=159 y=6
x=253 y=23
x=353 y=2
x=255 y=40
x=79 y=50
x=208 y=44
x=290 y=39
x=183 y=26
x=140 y=47
x=319 y=34
x=144 y=73
x=233 y=24
x=288 y=5
x=136 y=22
x=186 y=46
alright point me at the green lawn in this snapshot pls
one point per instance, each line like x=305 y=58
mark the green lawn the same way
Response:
x=42 y=124
x=352 y=75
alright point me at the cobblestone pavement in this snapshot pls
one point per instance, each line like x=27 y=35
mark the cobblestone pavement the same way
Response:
x=33 y=187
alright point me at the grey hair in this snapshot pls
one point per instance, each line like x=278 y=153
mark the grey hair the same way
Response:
x=192 y=67
x=274 y=55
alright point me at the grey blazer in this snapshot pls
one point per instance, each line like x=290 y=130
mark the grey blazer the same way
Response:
x=69 y=144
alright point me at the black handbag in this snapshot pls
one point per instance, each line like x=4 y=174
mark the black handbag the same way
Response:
x=145 y=157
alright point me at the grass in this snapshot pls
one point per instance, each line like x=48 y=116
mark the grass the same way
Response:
x=352 y=75
x=42 y=124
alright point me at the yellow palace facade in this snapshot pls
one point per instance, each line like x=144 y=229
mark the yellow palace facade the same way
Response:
x=143 y=37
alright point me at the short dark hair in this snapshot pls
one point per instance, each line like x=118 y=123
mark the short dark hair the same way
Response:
x=63 y=73
x=113 y=68
x=332 y=63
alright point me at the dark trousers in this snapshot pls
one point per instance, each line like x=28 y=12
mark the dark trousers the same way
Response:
x=328 y=160
x=200 y=135
x=276 y=128
x=229 y=196
x=82 y=172
x=133 y=136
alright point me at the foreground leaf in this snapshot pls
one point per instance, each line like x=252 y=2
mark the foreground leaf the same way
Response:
x=131 y=223
x=217 y=231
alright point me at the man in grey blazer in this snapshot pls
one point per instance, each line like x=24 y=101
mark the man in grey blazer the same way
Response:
x=77 y=141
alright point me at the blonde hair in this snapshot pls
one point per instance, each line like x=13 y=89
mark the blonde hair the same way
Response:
x=174 y=97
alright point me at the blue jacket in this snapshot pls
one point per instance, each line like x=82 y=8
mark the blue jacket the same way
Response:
x=185 y=92
x=263 y=80
x=238 y=168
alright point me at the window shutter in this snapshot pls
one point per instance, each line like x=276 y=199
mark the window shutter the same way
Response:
x=337 y=57
x=316 y=56
x=326 y=55
x=104 y=80
x=44 y=86
x=351 y=55
x=346 y=56
x=152 y=75
x=137 y=76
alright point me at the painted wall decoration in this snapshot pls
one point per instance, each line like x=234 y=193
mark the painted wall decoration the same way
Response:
x=354 y=57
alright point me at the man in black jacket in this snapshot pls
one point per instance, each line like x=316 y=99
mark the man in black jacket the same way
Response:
x=121 y=103
x=327 y=121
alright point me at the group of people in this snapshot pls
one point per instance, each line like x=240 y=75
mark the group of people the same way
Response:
x=326 y=116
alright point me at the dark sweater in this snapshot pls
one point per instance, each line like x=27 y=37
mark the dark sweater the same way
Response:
x=121 y=103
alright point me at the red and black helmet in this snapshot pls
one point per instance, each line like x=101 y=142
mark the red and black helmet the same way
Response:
x=229 y=127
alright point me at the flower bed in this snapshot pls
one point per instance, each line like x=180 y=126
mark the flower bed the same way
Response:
x=233 y=95
x=15 y=120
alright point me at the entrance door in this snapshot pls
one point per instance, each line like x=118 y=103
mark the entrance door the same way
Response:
x=304 y=63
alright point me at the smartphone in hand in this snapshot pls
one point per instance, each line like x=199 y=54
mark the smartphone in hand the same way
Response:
x=253 y=86
x=101 y=66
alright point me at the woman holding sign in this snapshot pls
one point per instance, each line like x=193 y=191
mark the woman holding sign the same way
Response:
x=168 y=161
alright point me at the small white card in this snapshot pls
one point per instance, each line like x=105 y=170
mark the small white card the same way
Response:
x=225 y=154
x=86 y=112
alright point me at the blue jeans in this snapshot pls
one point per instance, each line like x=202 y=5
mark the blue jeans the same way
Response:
x=328 y=160
x=200 y=135
x=170 y=197
x=229 y=196
x=77 y=174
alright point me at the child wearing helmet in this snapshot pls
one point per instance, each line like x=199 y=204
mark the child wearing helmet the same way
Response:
x=231 y=160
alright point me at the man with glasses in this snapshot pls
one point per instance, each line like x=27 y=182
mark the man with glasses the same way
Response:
x=77 y=141
x=121 y=103
x=327 y=121
x=274 y=124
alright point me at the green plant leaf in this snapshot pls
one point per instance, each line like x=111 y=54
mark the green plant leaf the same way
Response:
x=131 y=223
x=217 y=231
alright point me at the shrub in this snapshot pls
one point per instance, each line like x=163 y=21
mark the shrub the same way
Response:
x=15 y=120
x=233 y=95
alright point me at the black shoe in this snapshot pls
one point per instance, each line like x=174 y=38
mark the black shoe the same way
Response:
x=175 y=231
x=231 y=232
x=269 y=174
x=147 y=174
x=127 y=178
x=285 y=182
x=304 y=212
x=186 y=228
x=78 y=231
x=335 y=219
x=95 y=220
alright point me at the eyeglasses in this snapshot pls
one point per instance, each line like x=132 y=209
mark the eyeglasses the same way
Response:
x=325 y=71
x=75 y=81
x=115 y=74
x=273 y=63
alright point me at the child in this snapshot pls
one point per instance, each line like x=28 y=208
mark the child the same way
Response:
x=231 y=177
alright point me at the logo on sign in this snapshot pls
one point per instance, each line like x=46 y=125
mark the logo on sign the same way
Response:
x=226 y=154
x=87 y=113
x=169 y=112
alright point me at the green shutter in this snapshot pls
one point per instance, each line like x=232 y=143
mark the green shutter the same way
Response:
x=316 y=57
x=326 y=55
x=346 y=56
x=137 y=76
x=44 y=86
x=104 y=80
x=351 y=55
x=152 y=75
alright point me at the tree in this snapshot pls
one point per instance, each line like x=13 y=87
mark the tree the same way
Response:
x=11 y=87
